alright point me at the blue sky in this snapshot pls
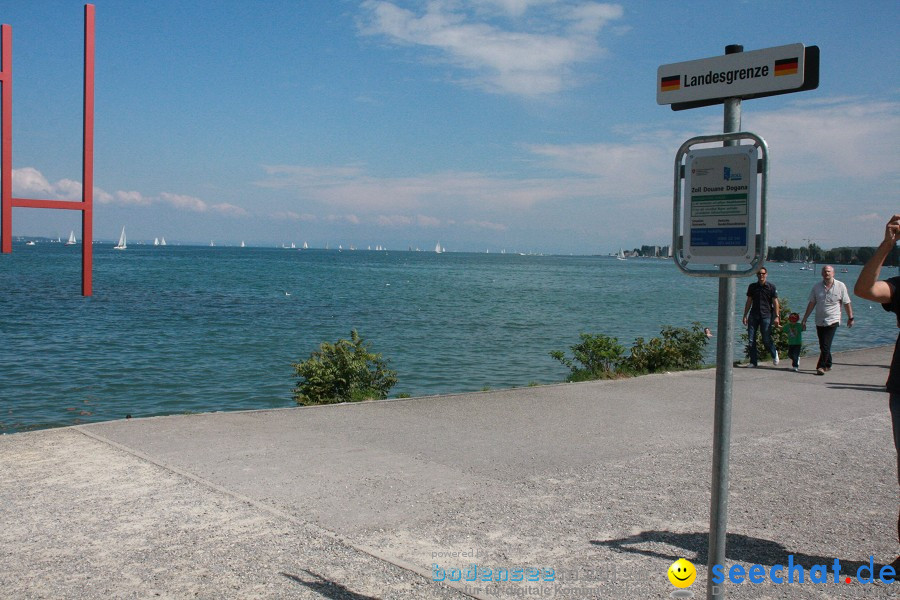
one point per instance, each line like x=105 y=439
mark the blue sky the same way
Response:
x=526 y=125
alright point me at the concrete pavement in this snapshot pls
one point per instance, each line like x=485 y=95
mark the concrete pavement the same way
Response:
x=606 y=483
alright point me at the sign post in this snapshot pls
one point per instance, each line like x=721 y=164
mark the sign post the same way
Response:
x=720 y=222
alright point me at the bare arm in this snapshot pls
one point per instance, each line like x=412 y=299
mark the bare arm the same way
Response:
x=747 y=308
x=777 y=312
x=867 y=285
x=809 y=309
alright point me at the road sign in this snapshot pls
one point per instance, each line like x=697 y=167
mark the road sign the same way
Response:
x=722 y=205
x=753 y=74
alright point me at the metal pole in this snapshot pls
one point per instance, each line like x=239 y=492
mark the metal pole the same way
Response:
x=718 y=510
x=6 y=141
x=87 y=169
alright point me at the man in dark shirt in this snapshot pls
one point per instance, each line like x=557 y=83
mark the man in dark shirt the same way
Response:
x=760 y=313
x=888 y=294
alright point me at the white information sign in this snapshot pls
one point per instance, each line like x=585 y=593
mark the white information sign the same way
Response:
x=720 y=205
x=731 y=75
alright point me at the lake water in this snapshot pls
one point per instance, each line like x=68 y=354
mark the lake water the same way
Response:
x=189 y=329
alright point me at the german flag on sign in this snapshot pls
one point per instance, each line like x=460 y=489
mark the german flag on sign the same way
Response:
x=673 y=82
x=786 y=66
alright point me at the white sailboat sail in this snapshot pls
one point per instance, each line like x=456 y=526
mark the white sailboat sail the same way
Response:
x=437 y=248
x=620 y=255
x=162 y=242
x=122 y=245
x=71 y=241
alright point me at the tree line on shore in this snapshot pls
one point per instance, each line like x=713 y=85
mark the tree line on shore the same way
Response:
x=844 y=255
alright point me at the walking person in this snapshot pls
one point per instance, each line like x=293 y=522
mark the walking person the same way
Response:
x=795 y=340
x=886 y=293
x=827 y=297
x=760 y=313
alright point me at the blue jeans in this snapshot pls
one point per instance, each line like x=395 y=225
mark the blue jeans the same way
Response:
x=755 y=323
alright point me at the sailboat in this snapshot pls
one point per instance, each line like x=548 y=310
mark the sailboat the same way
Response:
x=156 y=241
x=162 y=242
x=305 y=246
x=121 y=245
x=71 y=241
x=437 y=248
x=242 y=244
x=620 y=255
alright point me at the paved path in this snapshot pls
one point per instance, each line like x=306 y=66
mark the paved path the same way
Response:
x=604 y=482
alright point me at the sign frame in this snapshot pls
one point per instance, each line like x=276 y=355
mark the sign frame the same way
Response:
x=683 y=253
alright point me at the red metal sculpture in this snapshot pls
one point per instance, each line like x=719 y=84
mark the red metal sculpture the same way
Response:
x=86 y=206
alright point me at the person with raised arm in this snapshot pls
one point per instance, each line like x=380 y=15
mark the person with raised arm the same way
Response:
x=885 y=292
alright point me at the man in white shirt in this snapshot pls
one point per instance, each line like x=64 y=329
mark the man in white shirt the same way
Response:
x=827 y=297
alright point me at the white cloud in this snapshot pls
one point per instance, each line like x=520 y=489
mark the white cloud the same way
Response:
x=530 y=57
x=135 y=198
x=457 y=191
x=487 y=225
x=856 y=140
x=102 y=197
x=293 y=216
x=618 y=170
x=229 y=210
x=194 y=204
x=423 y=221
x=515 y=8
x=352 y=219
x=394 y=220
x=407 y=221
x=184 y=202
x=28 y=182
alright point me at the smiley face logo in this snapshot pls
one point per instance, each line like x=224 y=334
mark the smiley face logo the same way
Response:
x=682 y=573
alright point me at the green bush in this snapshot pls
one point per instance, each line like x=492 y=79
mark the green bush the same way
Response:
x=678 y=349
x=598 y=357
x=345 y=371
x=779 y=335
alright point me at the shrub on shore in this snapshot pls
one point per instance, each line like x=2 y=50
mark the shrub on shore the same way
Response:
x=346 y=371
x=678 y=349
x=600 y=356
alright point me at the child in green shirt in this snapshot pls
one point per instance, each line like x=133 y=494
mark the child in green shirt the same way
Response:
x=795 y=339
